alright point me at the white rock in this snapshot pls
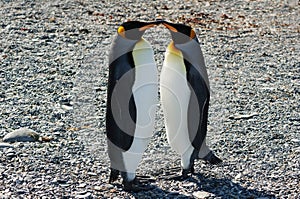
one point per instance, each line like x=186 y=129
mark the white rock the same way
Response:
x=82 y=185
x=191 y=184
x=201 y=194
x=238 y=176
x=5 y=145
x=84 y=196
x=66 y=107
x=245 y=116
x=295 y=140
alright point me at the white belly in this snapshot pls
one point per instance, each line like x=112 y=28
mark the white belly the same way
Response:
x=175 y=96
x=145 y=93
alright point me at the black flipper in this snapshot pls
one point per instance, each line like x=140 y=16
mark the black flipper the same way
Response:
x=198 y=106
x=119 y=126
x=198 y=83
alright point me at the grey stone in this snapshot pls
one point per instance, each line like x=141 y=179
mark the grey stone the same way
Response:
x=21 y=135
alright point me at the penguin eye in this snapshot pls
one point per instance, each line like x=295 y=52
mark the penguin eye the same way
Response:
x=192 y=34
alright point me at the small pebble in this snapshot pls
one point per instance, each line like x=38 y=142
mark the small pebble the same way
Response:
x=92 y=174
x=238 y=176
x=6 y=145
x=191 y=184
x=66 y=107
x=21 y=191
x=105 y=187
x=83 y=195
x=246 y=116
x=11 y=155
x=82 y=185
x=295 y=140
x=201 y=194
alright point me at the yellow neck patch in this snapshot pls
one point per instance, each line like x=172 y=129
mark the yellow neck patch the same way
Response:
x=174 y=50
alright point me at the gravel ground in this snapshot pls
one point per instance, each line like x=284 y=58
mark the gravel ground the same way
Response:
x=54 y=69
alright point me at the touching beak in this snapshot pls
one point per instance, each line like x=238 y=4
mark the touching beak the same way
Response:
x=146 y=27
x=150 y=25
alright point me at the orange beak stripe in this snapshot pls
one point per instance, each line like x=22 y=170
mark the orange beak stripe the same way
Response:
x=146 y=27
x=170 y=27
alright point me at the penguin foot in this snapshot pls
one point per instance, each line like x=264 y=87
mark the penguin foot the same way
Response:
x=136 y=186
x=212 y=158
x=114 y=174
x=185 y=172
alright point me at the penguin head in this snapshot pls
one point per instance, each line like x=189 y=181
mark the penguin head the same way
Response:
x=180 y=33
x=134 y=30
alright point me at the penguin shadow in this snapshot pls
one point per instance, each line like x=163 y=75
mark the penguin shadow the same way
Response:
x=226 y=188
x=214 y=186
x=158 y=192
x=154 y=192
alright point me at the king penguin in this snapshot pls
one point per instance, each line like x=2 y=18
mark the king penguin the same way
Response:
x=185 y=95
x=132 y=96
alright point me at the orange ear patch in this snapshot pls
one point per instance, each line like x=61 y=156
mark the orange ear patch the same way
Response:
x=193 y=34
x=121 y=31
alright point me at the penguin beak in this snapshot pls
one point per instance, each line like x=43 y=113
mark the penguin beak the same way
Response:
x=170 y=27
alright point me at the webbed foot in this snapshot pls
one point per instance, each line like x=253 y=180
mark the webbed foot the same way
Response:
x=185 y=172
x=212 y=158
x=114 y=174
x=136 y=186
